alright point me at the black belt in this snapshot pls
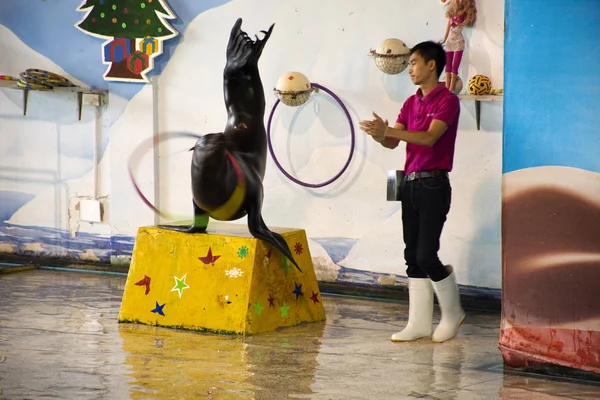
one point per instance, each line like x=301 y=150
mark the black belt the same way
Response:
x=425 y=174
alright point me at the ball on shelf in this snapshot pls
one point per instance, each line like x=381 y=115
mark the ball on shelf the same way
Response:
x=479 y=85
x=458 y=85
x=293 y=88
x=391 y=56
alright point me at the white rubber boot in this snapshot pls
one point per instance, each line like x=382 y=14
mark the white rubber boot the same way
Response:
x=420 y=311
x=453 y=314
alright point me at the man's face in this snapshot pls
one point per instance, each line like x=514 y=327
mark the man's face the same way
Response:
x=418 y=70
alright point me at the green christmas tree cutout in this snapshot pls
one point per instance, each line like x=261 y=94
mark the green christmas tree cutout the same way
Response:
x=135 y=29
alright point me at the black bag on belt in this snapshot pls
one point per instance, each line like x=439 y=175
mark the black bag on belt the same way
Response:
x=395 y=183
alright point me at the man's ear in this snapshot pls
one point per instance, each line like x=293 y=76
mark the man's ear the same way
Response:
x=431 y=65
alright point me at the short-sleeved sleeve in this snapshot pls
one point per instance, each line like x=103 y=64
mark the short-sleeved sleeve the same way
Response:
x=403 y=115
x=447 y=110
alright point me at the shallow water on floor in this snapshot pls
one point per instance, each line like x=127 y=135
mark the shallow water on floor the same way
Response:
x=59 y=339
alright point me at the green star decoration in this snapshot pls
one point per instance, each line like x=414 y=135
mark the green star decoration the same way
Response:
x=242 y=252
x=258 y=308
x=285 y=265
x=284 y=310
x=180 y=285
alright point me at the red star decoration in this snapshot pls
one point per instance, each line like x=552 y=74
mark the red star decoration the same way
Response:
x=298 y=248
x=144 y=282
x=315 y=298
x=271 y=301
x=209 y=259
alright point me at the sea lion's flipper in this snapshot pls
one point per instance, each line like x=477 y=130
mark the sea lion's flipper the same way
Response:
x=242 y=51
x=199 y=226
x=257 y=225
x=276 y=237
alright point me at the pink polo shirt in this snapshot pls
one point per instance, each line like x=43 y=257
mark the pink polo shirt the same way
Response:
x=416 y=115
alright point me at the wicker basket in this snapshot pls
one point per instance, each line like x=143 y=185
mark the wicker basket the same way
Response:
x=390 y=63
x=293 y=99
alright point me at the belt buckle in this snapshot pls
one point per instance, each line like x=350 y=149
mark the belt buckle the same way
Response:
x=412 y=176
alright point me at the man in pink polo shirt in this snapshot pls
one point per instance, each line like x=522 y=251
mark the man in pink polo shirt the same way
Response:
x=428 y=123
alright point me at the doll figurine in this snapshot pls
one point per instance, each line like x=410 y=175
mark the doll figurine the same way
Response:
x=460 y=13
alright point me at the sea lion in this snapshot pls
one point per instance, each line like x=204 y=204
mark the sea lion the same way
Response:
x=228 y=167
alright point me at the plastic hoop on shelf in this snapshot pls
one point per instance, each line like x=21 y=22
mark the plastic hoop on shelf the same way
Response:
x=352 y=143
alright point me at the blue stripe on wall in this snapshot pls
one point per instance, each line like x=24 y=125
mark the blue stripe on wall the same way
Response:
x=552 y=84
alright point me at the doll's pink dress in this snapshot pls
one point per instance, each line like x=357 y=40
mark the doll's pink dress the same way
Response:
x=455 y=44
x=456 y=41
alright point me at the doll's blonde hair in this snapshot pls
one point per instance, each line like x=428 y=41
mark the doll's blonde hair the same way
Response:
x=457 y=7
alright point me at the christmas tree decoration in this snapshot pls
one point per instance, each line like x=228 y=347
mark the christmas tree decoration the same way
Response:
x=135 y=29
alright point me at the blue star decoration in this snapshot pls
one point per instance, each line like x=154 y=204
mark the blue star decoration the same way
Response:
x=159 y=309
x=297 y=290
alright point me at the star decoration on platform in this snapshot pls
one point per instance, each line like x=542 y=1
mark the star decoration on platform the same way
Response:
x=271 y=301
x=209 y=258
x=298 y=248
x=144 y=282
x=234 y=272
x=180 y=285
x=258 y=308
x=315 y=297
x=242 y=252
x=285 y=265
x=159 y=309
x=227 y=299
x=297 y=290
x=284 y=310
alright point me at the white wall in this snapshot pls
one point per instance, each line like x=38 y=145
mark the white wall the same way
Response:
x=329 y=43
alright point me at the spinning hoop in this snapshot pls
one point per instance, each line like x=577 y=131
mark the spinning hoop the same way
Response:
x=353 y=139
x=136 y=156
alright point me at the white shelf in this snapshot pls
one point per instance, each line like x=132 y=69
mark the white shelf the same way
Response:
x=478 y=100
x=94 y=97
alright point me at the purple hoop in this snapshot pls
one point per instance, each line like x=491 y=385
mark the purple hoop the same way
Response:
x=299 y=182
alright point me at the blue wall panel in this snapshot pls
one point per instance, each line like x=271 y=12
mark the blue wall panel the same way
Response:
x=552 y=84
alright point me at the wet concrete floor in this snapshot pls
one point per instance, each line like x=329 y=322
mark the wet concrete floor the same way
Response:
x=60 y=339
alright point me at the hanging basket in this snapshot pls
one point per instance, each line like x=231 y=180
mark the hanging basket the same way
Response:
x=391 y=64
x=293 y=99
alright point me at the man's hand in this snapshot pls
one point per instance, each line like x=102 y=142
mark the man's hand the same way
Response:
x=377 y=128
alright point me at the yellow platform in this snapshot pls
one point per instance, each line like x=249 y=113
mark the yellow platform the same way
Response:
x=222 y=281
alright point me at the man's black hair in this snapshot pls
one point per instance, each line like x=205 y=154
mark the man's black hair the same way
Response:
x=432 y=51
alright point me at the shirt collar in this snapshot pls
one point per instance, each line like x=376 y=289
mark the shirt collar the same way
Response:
x=431 y=95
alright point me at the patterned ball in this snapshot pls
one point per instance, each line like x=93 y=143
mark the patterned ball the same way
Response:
x=479 y=85
x=391 y=56
x=293 y=82
x=458 y=86
x=392 y=47
x=293 y=89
